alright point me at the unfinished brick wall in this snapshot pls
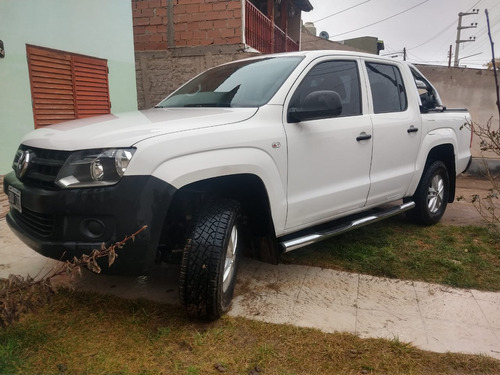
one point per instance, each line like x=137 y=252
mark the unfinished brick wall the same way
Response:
x=195 y=23
x=150 y=24
x=207 y=22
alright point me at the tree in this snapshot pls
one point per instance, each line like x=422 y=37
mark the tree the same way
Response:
x=489 y=136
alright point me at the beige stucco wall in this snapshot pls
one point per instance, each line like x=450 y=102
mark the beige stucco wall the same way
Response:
x=473 y=89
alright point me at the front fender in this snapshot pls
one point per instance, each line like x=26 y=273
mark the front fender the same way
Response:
x=186 y=169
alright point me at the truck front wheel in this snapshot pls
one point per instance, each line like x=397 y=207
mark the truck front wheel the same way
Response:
x=210 y=261
x=431 y=197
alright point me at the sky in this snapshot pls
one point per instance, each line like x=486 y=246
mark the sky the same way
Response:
x=426 y=28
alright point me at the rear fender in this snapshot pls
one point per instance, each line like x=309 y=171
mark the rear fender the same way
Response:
x=433 y=140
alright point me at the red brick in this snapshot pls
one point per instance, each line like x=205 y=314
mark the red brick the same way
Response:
x=161 y=11
x=186 y=35
x=205 y=8
x=183 y=18
x=181 y=26
x=142 y=4
x=139 y=30
x=220 y=24
x=154 y=3
x=147 y=12
x=234 y=5
x=226 y=33
x=151 y=29
x=200 y=16
x=179 y=9
x=220 y=6
x=203 y=25
x=234 y=22
x=162 y=29
x=156 y=21
x=193 y=8
x=141 y=21
x=199 y=34
x=156 y=38
x=141 y=38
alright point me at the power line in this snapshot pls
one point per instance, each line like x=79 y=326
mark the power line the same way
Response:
x=342 y=11
x=385 y=19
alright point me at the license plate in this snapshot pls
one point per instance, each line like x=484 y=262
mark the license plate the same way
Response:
x=15 y=199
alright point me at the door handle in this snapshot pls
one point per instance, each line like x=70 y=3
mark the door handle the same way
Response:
x=412 y=129
x=363 y=137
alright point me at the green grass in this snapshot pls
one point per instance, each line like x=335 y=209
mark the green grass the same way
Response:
x=462 y=257
x=82 y=333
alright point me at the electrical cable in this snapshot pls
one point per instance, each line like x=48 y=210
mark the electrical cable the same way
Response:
x=342 y=11
x=385 y=19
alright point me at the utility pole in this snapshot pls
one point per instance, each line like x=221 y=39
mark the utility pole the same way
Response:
x=460 y=28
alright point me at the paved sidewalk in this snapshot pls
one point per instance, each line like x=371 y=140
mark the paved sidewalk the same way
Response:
x=432 y=317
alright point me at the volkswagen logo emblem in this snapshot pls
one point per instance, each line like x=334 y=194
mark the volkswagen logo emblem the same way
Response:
x=23 y=163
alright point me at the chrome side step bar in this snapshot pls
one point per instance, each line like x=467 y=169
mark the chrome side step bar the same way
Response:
x=308 y=239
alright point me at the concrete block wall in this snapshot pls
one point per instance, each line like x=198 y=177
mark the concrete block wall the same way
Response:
x=161 y=72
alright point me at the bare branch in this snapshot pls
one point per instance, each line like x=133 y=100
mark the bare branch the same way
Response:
x=19 y=295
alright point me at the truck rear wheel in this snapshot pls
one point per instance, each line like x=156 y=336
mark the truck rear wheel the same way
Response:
x=210 y=261
x=431 y=197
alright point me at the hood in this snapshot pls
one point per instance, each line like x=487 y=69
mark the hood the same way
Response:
x=127 y=129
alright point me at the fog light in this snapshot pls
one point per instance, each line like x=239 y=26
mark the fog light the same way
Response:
x=93 y=228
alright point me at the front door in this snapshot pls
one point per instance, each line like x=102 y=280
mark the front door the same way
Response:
x=328 y=159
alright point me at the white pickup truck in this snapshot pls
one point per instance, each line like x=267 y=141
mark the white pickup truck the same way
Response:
x=262 y=155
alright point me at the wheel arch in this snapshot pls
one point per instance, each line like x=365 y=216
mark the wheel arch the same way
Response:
x=249 y=190
x=446 y=153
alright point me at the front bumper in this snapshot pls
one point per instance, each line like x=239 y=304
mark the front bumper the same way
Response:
x=62 y=224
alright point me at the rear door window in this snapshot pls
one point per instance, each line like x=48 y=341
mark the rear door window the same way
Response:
x=387 y=87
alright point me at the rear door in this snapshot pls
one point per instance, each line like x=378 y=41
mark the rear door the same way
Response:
x=396 y=131
x=328 y=159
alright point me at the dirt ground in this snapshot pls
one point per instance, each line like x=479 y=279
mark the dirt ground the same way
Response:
x=462 y=212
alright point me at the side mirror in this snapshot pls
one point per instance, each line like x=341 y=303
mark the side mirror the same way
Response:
x=317 y=105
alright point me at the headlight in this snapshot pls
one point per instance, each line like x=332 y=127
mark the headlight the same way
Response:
x=90 y=168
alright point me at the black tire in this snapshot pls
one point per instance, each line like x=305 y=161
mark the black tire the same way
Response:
x=431 y=197
x=210 y=261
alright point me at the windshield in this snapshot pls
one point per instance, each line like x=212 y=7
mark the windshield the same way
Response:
x=249 y=83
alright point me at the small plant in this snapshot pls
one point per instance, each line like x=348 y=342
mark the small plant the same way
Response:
x=19 y=295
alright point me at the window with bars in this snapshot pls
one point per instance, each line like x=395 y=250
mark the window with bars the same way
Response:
x=66 y=86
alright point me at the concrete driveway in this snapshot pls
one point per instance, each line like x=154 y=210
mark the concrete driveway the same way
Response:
x=430 y=316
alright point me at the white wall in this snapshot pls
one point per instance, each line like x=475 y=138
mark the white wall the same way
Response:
x=96 y=28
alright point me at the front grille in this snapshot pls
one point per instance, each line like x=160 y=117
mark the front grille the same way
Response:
x=41 y=224
x=43 y=167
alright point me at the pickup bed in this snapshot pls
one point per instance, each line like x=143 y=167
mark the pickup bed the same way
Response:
x=259 y=156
